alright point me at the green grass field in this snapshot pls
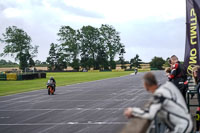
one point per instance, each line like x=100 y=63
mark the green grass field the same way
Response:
x=62 y=79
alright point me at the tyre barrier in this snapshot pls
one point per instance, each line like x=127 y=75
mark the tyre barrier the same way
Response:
x=129 y=69
x=3 y=77
x=106 y=70
x=33 y=76
x=19 y=77
x=28 y=76
x=43 y=75
x=14 y=76
x=11 y=76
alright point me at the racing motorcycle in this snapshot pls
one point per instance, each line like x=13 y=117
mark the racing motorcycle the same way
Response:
x=50 y=87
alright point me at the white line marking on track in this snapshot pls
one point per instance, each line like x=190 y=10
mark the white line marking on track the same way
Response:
x=71 y=100
x=4 y=117
x=86 y=109
x=66 y=123
x=53 y=126
x=36 y=116
x=18 y=98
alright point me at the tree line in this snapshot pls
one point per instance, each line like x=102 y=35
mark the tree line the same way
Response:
x=4 y=63
x=87 y=47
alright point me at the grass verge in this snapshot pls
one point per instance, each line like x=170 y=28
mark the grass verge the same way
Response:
x=62 y=79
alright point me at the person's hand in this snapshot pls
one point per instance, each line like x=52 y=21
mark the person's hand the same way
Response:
x=167 y=74
x=128 y=112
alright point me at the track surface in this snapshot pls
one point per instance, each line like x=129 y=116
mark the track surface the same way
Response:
x=92 y=107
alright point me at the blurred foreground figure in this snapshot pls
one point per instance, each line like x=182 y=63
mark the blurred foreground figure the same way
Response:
x=168 y=102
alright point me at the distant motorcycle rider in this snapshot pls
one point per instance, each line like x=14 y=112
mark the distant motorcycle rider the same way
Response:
x=136 y=70
x=53 y=81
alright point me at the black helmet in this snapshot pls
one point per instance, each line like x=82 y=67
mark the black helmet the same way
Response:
x=51 y=78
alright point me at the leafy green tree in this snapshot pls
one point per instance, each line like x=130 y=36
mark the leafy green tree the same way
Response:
x=90 y=40
x=38 y=62
x=75 y=64
x=18 y=44
x=4 y=63
x=113 y=64
x=102 y=58
x=62 y=61
x=70 y=44
x=31 y=62
x=44 y=63
x=51 y=60
x=88 y=47
x=135 y=62
x=157 y=62
x=167 y=62
x=56 y=60
x=111 y=39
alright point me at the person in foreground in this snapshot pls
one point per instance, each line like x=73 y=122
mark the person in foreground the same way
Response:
x=168 y=102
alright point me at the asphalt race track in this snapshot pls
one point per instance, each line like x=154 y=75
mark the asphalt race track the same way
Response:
x=92 y=107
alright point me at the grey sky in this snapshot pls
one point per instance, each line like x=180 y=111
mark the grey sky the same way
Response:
x=147 y=27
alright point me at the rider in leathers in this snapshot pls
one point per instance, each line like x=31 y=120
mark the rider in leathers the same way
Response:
x=53 y=82
x=170 y=104
x=177 y=76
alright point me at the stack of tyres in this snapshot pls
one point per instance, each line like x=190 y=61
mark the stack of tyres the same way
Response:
x=27 y=76
x=19 y=77
x=39 y=75
x=14 y=76
x=30 y=76
x=43 y=75
x=11 y=76
x=107 y=70
x=36 y=75
x=3 y=77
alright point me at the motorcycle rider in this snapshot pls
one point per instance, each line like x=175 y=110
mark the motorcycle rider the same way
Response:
x=136 y=70
x=53 y=81
x=168 y=102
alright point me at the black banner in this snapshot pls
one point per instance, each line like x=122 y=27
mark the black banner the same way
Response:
x=192 y=35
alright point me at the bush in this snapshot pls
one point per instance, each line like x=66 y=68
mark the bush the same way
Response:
x=157 y=62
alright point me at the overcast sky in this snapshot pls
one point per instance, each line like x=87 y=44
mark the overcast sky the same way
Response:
x=147 y=27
